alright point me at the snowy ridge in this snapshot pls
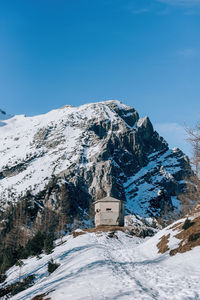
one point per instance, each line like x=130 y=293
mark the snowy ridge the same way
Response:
x=46 y=145
x=95 y=266
x=98 y=148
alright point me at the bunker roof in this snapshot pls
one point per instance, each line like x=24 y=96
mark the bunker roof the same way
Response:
x=108 y=199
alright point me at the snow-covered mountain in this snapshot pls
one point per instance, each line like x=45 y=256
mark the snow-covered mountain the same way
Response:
x=102 y=266
x=3 y=116
x=56 y=165
x=80 y=154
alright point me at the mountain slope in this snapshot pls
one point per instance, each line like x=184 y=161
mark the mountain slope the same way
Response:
x=3 y=116
x=96 y=266
x=79 y=154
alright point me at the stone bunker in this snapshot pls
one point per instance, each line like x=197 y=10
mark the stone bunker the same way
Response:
x=109 y=211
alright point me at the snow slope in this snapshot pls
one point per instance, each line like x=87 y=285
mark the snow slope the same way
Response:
x=94 y=266
x=45 y=145
x=161 y=165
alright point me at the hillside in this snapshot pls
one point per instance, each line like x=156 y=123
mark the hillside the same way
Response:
x=53 y=167
x=181 y=236
x=101 y=266
x=67 y=158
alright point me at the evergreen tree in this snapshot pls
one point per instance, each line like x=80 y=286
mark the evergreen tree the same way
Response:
x=52 y=266
x=49 y=243
x=36 y=244
x=19 y=264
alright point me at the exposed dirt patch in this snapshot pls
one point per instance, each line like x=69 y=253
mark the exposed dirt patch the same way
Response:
x=190 y=238
x=41 y=297
x=162 y=245
x=177 y=226
x=111 y=229
x=77 y=233
x=106 y=229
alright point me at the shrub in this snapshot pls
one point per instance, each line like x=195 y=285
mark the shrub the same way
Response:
x=52 y=266
x=21 y=286
x=2 y=277
x=187 y=224
x=17 y=287
x=193 y=237
x=19 y=263
x=10 y=255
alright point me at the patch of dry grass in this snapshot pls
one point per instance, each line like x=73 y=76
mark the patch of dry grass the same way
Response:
x=189 y=238
x=41 y=297
x=98 y=229
x=162 y=245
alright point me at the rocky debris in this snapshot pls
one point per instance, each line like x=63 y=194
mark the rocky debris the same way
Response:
x=135 y=226
x=141 y=227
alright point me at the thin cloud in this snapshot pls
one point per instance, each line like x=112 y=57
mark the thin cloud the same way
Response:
x=183 y=3
x=136 y=7
x=188 y=53
x=175 y=135
x=140 y=11
x=162 y=7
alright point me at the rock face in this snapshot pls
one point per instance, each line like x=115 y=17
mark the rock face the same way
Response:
x=76 y=155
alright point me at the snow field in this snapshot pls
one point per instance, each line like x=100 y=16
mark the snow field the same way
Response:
x=94 y=266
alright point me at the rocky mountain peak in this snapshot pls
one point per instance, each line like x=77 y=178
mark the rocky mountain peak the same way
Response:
x=79 y=154
x=127 y=113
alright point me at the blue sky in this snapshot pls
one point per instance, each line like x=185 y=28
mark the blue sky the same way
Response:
x=145 y=53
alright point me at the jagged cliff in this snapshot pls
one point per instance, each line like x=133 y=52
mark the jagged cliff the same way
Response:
x=74 y=155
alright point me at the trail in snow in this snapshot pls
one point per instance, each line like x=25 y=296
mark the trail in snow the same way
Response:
x=94 y=266
x=151 y=278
